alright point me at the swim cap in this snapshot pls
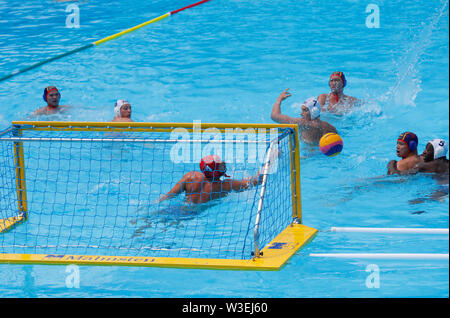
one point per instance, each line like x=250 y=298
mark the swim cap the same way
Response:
x=118 y=105
x=341 y=75
x=410 y=139
x=209 y=165
x=440 y=148
x=314 y=107
x=47 y=91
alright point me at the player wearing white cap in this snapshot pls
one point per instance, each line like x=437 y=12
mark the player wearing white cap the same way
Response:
x=312 y=128
x=433 y=159
x=122 y=111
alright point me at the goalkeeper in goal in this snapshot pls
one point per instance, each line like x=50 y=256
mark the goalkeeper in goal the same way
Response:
x=204 y=186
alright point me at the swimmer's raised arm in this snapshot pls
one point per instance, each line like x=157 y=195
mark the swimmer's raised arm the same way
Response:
x=276 y=114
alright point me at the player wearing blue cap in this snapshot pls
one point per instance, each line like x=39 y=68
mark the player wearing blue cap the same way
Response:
x=312 y=128
x=407 y=144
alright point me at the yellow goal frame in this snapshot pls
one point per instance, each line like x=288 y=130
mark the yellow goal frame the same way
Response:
x=271 y=257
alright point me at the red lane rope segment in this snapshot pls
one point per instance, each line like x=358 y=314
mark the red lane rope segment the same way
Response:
x=189 y=6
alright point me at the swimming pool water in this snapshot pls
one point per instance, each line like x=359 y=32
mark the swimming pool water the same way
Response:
x=227 y=61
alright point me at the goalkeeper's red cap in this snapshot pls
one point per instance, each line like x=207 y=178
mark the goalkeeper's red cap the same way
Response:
x=212 y=168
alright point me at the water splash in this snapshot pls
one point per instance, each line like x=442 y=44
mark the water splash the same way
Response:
x=407 y=86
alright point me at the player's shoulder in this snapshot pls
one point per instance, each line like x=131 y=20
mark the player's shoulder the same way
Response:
x=322 y=98
x=194 y=176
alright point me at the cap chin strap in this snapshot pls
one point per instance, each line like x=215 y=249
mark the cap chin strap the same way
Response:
x=337 y=96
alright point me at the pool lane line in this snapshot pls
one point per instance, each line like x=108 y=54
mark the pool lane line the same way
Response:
x=115 y=36
x=387 y=256
x=390 y=230
x=168 y=14
x=53 y=58
x=109 y=38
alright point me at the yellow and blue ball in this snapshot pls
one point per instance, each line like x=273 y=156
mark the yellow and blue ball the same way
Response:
x=331 y=144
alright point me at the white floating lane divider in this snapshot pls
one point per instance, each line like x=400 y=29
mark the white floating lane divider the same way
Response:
x=389 y=230
x=390 y=256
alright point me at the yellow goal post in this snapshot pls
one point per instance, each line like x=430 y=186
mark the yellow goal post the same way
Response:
x=88 y=193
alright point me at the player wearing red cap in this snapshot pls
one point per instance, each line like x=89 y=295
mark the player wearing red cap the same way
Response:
x=336 y=101
x=207 y=185
x=52 y=97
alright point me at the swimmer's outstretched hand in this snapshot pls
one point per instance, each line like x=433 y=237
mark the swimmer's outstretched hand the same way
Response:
x=285 y=94
x=161 y=198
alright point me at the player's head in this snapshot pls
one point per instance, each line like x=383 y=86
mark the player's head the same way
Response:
x=213 y=167
x=311 y=108
x=407 y=143
x=51 y=96
x=122 y=109
x=337 y=82
x=435 y=149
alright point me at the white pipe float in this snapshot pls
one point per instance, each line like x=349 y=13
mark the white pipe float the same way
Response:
x=389 y=256
x=389 y=230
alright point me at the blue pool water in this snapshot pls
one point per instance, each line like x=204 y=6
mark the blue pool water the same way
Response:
x=227 y=61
